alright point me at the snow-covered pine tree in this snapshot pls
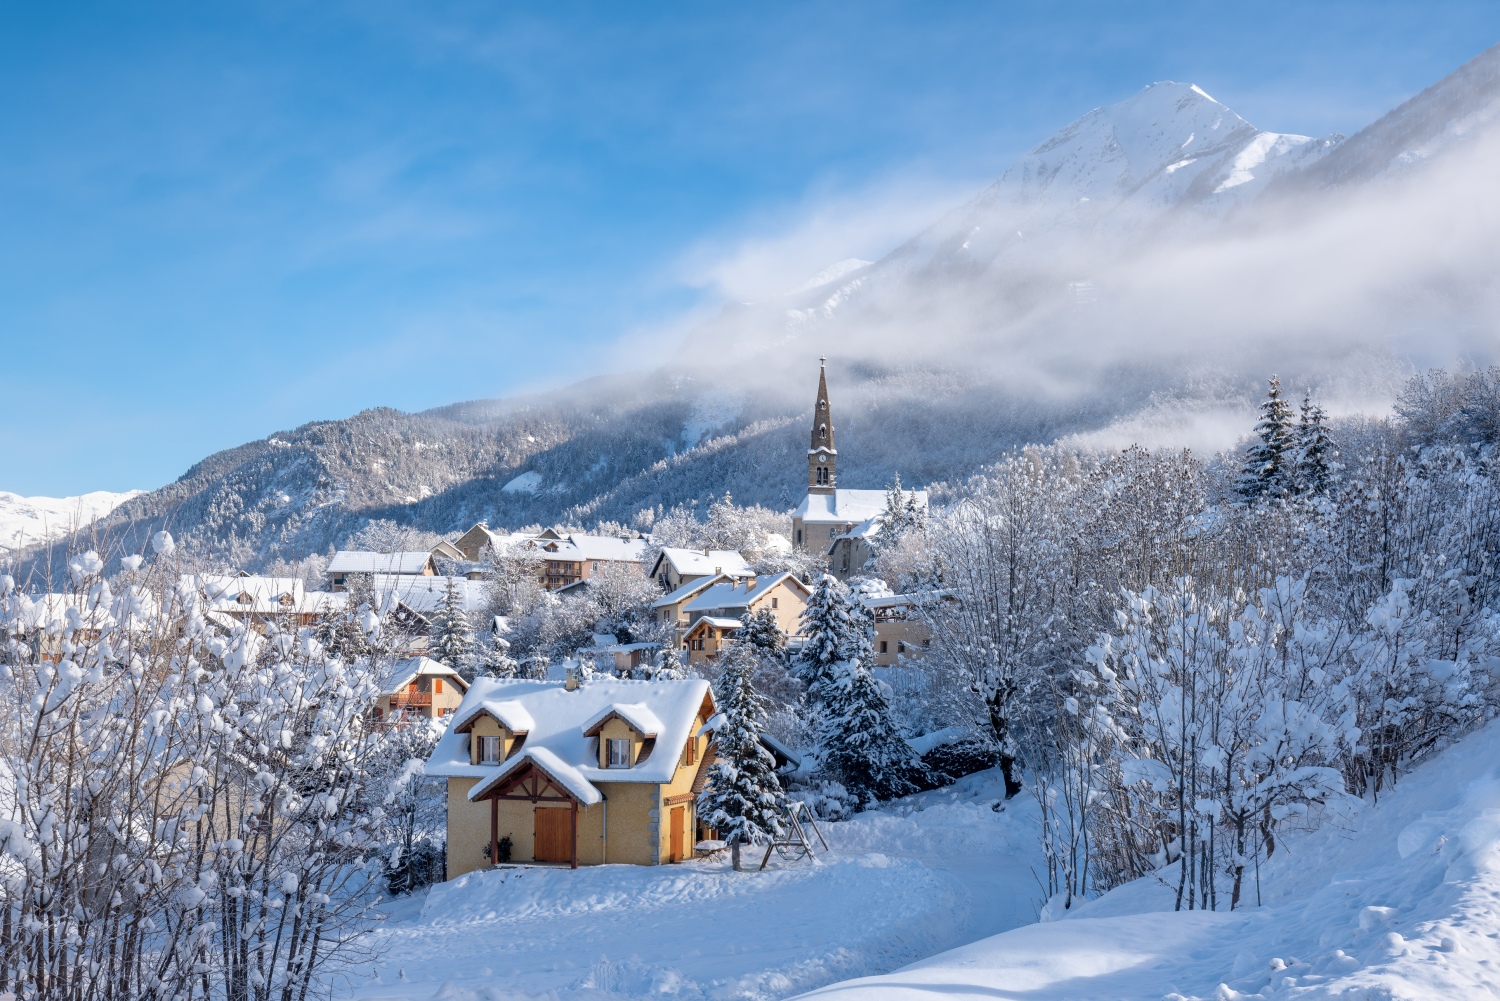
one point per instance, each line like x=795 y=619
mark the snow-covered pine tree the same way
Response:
x=451 y=639
x=902 y=515
x=833 y=628
x=743 y=800
x=760 y=630
x=1314 y=450
x=1268 y=467
x=668 y=666
x=861 y=741
x=498 y=663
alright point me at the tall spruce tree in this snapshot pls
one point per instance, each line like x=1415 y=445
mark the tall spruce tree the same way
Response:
x=861 y=742
x=451 y=637
x=1314 y=450
x=835 y=630
x=743 y=799
x=1270 y=462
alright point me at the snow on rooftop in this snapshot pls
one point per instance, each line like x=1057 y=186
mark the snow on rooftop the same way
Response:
x=559 y=718
x=567 y=775
x=687 y=590
x=637 y=714
x=425 y=595
x=360 y=561
x=508 y=712
x=696 y=562
x=847 y=506
x=735 y=594
x=404 y=672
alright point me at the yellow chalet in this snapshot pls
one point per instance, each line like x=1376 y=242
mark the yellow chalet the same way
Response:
x=578 y=773
x=714 y=613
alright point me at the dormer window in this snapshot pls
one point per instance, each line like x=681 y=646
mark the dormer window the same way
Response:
x=246 y=598
x=619 y=752
x=489 y=750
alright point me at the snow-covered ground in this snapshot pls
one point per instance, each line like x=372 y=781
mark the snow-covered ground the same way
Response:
x=936 y=871
x=1403 y=901
x=26 y=521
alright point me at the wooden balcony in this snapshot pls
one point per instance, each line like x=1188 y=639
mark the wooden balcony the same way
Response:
x=404 y=699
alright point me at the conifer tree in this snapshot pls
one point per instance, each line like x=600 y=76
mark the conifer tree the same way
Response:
x=834 y=628
x=1269 y=462
x=452 y=637
x=861 y=741
x=760 y=630
x=902 y=514
x=498 y=663
x=743 y=799
x=1314 y=450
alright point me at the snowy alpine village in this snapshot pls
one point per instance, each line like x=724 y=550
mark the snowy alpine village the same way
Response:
x=1087 y=588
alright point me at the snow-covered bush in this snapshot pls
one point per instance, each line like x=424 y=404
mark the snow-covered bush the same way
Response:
x=190 y=807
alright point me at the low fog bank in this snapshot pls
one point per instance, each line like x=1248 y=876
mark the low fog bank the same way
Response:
x=1343 y=292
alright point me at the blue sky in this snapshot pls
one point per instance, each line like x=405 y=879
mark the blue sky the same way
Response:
x=222 y=220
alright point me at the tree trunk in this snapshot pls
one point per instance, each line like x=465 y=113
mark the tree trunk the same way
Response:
x=734 y=852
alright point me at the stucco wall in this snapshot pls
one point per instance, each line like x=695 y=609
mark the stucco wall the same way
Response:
x=895 y=632
x=468 y=829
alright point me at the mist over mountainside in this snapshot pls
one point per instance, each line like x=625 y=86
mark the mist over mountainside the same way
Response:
x=1133 y=278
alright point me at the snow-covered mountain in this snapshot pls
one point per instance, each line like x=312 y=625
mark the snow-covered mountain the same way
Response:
x=1114 y=175
x=1126 y=266
x=27 y=521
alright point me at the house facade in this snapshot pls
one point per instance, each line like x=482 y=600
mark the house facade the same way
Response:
x=901 y=634
x=419 y=687
x=576 y=773
x=714 y=614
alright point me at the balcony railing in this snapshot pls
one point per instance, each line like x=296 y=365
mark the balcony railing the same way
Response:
x=411 y=699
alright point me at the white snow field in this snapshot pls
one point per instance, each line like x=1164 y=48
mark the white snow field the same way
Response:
x=931 y=873
x=1402 y=901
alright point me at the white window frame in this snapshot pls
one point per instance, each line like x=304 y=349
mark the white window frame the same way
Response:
x=489 y=750
x=617 y=752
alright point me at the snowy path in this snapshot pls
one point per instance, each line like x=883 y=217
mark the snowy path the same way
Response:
x=1403 y=903
x=938 y=871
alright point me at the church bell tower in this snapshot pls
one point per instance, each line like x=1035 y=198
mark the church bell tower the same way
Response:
x=822 y=457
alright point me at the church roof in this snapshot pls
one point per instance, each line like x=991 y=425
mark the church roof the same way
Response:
x=845 y=506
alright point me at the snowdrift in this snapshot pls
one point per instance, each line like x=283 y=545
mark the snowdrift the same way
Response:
x=1402 y=901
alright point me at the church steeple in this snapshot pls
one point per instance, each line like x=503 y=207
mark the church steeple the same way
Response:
x=822 y=457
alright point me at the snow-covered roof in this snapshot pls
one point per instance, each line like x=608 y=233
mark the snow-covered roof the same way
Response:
x=867 y=529
x=556 y=739
x=603 y=547
x=592 y=547
x=909 y=598
x=404 y=672
x=637 y=714
x=686 y=591
x=425 y=595
x=569 y=777
x=359 y=561
x=848 y=506
x=698 y=563
x=508 y=713
x=720 y=622
x=248 y=593
x=737 y=594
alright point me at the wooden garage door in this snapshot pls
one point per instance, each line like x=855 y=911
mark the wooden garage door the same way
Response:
x=553 y=828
